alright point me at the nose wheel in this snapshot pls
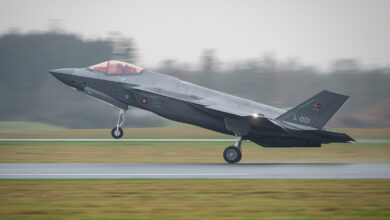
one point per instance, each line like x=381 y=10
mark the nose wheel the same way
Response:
x=232 y=154
x=117 y=132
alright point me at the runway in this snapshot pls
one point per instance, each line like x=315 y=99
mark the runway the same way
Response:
x=198 y=171
x=373 y=141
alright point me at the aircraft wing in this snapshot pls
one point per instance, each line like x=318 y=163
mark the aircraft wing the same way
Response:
x=231 y=111
x=208 y=104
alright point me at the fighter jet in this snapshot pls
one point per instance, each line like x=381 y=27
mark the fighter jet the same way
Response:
x=123 y=84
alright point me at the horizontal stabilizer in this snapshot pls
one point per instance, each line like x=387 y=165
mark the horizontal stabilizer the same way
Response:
x=333 y=137
x=316 y=111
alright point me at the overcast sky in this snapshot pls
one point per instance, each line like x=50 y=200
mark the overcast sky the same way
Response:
x=314 y=31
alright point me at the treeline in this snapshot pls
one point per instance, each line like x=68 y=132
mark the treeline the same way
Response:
x=29 y=93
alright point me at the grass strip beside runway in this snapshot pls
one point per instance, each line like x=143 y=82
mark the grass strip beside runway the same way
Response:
x=194 y=199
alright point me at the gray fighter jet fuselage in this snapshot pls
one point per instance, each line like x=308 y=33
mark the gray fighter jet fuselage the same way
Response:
x=122 y=84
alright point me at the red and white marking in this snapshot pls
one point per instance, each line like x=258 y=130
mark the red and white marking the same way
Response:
x=317 y=106
x=144 y=100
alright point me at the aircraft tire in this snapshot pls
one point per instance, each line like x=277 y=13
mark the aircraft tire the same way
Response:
x=232 y=154
x=117 y=133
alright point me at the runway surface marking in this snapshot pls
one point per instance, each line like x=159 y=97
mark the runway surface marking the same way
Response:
x=157 y=140
x=125 y=140
x=194 y=170
x=122 y=174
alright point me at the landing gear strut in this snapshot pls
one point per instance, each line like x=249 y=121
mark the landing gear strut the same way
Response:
x=117 y=131
x=233 y=154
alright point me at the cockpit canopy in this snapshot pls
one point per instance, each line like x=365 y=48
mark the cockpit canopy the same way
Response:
x=115 y=67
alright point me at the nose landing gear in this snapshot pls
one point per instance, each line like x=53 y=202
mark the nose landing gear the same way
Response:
x=232 y=154
x=117 y=132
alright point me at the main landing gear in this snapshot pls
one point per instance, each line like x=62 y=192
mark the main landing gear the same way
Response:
x=117 y=131
x=233 y=154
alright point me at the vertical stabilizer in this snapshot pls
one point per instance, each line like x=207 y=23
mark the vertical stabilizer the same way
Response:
x=316 y=111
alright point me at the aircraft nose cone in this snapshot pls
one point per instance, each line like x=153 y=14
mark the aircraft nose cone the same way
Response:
x=64 y=75
x=65 y=71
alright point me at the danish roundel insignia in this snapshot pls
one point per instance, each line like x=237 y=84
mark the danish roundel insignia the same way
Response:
x=144 y=100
